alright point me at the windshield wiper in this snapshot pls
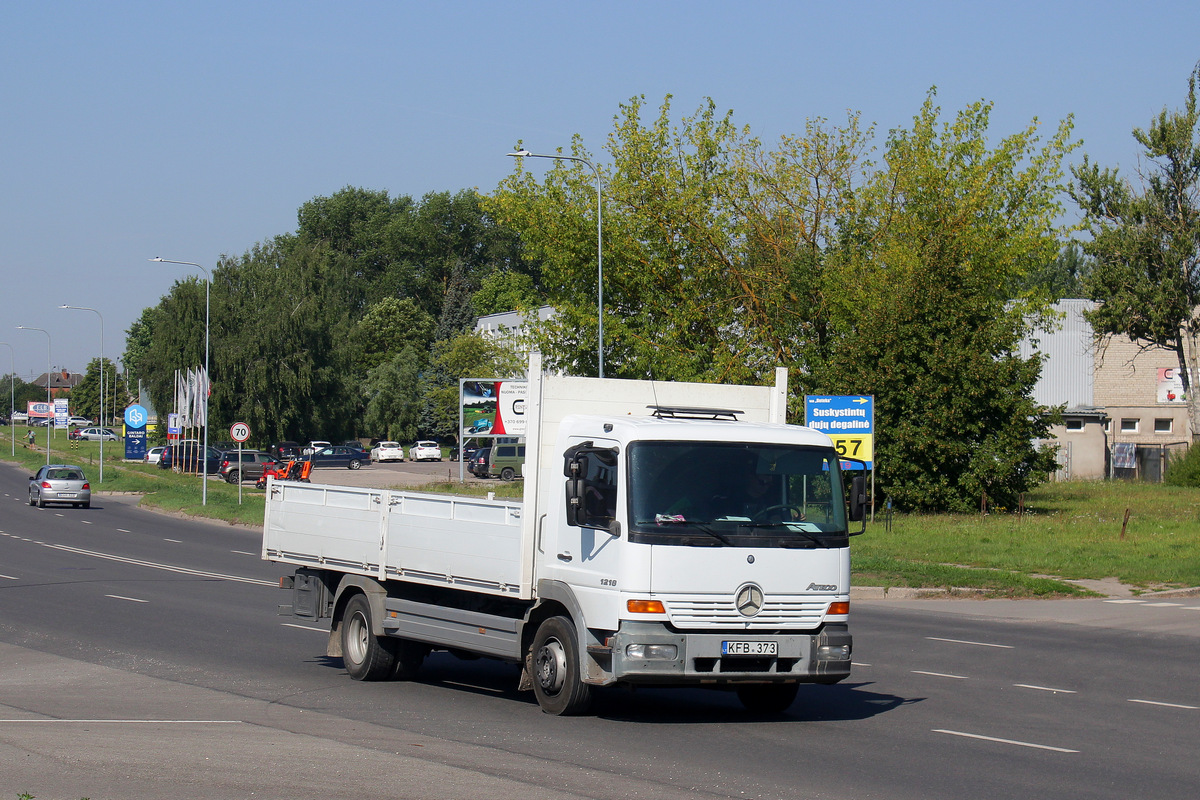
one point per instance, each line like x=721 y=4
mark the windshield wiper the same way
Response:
x=787 y=525
x=700 y=526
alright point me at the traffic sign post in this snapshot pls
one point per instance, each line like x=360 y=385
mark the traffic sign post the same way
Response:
x=239 y=432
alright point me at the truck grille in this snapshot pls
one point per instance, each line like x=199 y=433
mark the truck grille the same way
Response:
x=714 y=613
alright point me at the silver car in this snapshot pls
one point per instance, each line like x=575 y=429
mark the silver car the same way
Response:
x=60 y=483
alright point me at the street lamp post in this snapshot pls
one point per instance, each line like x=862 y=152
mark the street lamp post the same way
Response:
x=12 y=395
x=49 y=402
x=207 y=285
x=599 y=244
x=98 y=314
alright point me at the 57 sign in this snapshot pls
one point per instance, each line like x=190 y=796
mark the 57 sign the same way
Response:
x=860 y=447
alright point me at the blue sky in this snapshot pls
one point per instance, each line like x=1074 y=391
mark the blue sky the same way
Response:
x=131 y=130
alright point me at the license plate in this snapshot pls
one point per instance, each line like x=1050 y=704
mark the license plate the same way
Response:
x=66 y=494
x=749 y=648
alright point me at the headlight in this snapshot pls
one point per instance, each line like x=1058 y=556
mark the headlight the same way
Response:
x=668 y=652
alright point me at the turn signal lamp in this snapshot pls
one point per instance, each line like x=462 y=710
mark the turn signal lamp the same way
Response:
x=645 y=607
x=839 y=608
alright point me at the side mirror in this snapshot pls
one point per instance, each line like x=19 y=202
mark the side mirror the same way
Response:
x=858 y=498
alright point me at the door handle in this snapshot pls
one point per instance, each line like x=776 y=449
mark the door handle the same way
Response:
x=565 y=557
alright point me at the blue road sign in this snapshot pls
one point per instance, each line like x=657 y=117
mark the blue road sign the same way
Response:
x=847 y=419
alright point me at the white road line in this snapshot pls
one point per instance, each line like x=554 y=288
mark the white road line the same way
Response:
x=941 y=675
x=858 y=664
x=963 y=641
x=302 y=627
x=123 y=597
x=176 y=541
x=243 y=553
x=125 y=721
x=166 y=567
x=1005 y=741
x=1124 y=601
x=122 y=530
x=1167 y=705
x=86 y=522
x=9 y=577
x=1162 y=605
x=1044 y=688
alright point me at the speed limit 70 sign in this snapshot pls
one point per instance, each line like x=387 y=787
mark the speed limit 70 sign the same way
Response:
x=239 y=431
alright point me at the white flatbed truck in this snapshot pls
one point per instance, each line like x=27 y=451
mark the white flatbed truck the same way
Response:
x=670 y=534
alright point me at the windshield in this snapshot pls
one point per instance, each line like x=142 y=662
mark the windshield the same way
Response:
x=714 y=493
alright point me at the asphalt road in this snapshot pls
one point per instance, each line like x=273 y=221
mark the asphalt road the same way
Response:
x=141 y=657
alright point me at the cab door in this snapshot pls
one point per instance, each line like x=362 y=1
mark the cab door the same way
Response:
x=587 y=542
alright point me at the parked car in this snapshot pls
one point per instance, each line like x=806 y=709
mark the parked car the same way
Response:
x=152 y=455
x=425 y=451
x=387 y=451
x=478 y=464
x=339 y=456
x=190 y=457
x=251 y=465
x=41 y=422
x=315 y=446
x=80 y=422
x=96 y=434
x=506 y=461
x=60 y=483
x=285 y=451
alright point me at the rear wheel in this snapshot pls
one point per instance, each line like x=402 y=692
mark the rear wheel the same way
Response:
x=365 y=657
x=771 y=698
x=31 y=500
x=557 y=684
x=507 y=474
x=354 y=463
x=233 y=476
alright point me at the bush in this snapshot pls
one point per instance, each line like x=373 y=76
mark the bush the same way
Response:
x=1184 y=470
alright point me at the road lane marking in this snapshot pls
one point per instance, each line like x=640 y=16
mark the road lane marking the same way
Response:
x=86 y=521
x=243 y=553
x=122 y=530
x=176 y=541
x=123 y=597
x=1005 y=741
x=125 y=721
x=1167 y=705
x=303 y=627
x=1162 y=605
x=1044 y=688
x=858 y=664
x=963 y=641
x=9 y=577
x=166 y=567
x=941 y=675
x=1124 y=601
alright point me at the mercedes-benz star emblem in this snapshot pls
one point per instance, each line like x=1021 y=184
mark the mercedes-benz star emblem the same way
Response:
x=749 y=599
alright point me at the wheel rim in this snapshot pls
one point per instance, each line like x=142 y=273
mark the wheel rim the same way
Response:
x=551 y=666
x=356 y=638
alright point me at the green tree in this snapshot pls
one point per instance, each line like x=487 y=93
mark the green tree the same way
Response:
x=393 y=397
x=388 y=327
x=85 y=397
x=505 y=291
x=1145 y=242
x=926 y=318
x=467 y=355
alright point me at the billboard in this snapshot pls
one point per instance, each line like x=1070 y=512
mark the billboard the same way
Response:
x=847 y=419
x=490 y=407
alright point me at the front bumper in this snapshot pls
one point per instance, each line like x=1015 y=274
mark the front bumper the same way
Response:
x=822 y=656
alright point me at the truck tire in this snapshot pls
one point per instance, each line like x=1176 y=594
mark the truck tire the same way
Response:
x=769 y=698
x=234 y=476
x=557 y=683
x=507 y=474
x=365 y=657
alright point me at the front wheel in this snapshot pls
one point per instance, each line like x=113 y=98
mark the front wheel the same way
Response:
x=771 y=698
x=366 y=659
x=557 y=684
